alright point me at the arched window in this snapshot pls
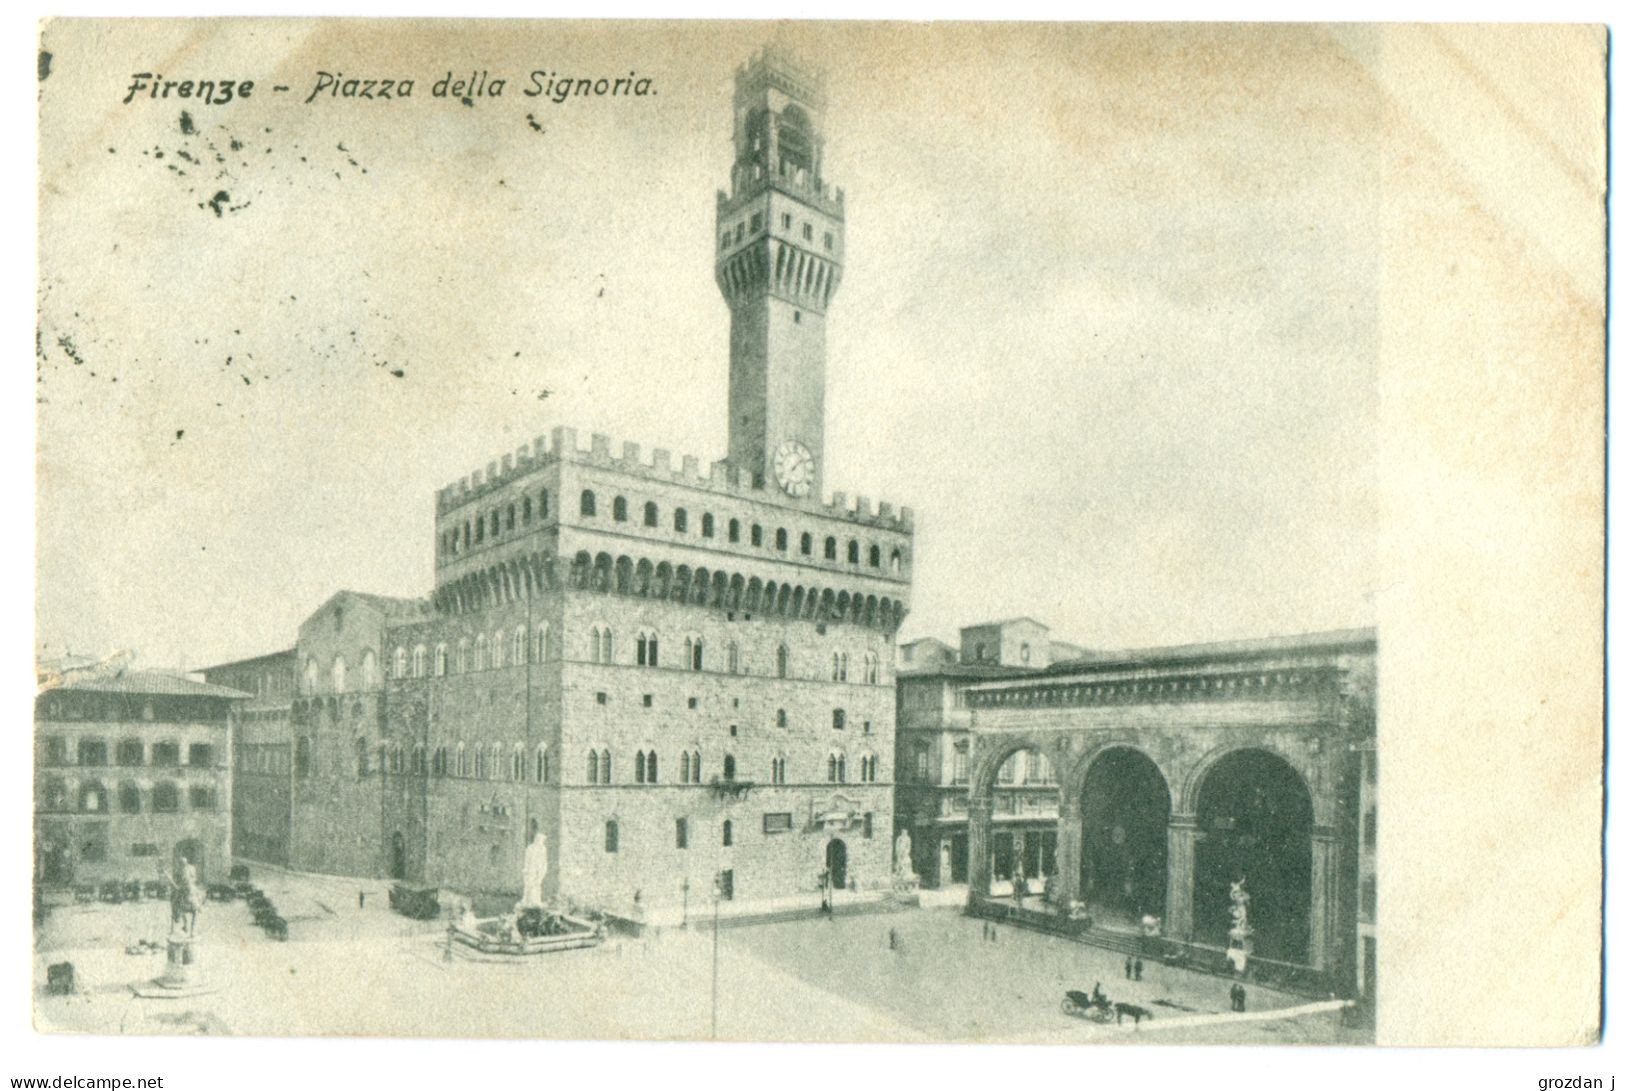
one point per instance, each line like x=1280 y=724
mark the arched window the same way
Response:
x=874 y=556
x=829 y=549
x=369 y=670
x=338 y=675
x=301 y=756
x=400 y=663
x=498 y=647
x=835 y=667
x=683 y=774
x=733 y=657
x=806 y=544
x=539 y=650
x=518 y=653
x=638 y=768
x=728 y=767
x=696 y=770
x=781 y=540
x=603 y=767
x=462 y=655
x=733 y=530
x=440 y=761
x=612 y=836
x=129 y=798
x=526 y=515
x=479 y=763
x=543 y=512
x=871 y=665
x=166 y=797
x=648 y=649
x=651 y=514
x=784 y=661
x=839 y=719
x=896 y=561
x=694 y=653
x=756 y=534
x=727 y=832
x=618 y=509
x=782 y=718
x=439 y=660
x=589 y=504
x=679 y=521
x=852 y=551
x=609 y=646
x=479 y=651
x=131 y=752
x=542 y=770
x=708 y=526
x=420 y=661
x=362 y=768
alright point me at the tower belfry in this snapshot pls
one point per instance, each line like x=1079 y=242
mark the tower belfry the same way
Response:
x=779 y=249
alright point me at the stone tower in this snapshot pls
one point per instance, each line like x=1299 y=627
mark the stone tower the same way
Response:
x=779 y=251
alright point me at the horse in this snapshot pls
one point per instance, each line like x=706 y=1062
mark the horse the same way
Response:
x=184 y=902
x=1133 y=1011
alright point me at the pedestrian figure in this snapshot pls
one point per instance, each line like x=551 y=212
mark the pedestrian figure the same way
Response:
x=1128 y=968
x=361 y=899
x=1139 y=968
x=994 y=930
x=984 y=931
x=1241 y=997
x=891 y=939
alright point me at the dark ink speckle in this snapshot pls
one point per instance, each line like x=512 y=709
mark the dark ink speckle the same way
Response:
x=218 y=203
x=187 y=128
x=44 y=65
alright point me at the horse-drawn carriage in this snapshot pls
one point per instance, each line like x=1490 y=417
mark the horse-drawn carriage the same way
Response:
x=1096 y=1008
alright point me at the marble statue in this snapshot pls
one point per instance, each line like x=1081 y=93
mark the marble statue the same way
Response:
x=903 y=858
x=535 y=871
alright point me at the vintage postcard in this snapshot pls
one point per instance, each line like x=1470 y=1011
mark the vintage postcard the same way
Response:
x=823 y=532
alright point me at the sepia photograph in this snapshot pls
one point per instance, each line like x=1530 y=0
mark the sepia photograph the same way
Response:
x=750 y=531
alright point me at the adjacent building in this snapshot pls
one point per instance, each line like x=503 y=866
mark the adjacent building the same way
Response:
x=131 y=774
x=262 y=755
x=1144 y=783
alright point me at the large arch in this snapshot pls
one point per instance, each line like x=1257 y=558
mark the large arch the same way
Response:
x=1124 y=803
x=985 y=855
x=1254 y=816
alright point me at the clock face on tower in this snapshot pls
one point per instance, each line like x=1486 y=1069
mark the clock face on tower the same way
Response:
x=793 y=466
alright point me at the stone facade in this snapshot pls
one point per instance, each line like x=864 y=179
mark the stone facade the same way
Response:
x=131 y=773
x=681 y=676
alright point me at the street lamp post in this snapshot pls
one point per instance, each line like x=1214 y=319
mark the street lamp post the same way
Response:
x=716 y=935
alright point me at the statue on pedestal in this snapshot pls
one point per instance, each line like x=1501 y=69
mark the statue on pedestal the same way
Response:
x=1241 y=930
x=904 y=878
x=181 y=976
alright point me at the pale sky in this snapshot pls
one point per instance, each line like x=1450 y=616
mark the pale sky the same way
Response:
x=1108 y=321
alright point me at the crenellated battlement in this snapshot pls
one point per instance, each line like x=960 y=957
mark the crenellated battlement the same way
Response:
x=718 y=477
